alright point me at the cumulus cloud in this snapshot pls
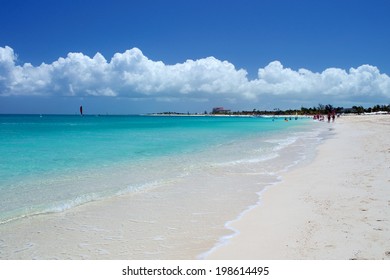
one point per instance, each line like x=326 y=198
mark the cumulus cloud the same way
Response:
x=132 y=74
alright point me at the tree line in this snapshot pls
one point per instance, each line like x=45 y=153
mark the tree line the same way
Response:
x=320 y=109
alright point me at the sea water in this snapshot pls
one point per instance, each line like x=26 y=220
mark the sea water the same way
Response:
x=138 y=187
x=51 y=163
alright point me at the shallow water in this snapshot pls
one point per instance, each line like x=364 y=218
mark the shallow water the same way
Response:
x=52 y=163
x=164 y=187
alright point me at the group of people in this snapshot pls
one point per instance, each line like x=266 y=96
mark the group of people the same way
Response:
x=331 y=116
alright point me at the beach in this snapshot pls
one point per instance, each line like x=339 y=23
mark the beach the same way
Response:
x=335 y=208
x=314 y=190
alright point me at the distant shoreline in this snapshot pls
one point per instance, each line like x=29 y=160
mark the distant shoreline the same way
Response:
x=176 y=114
x=228 y=115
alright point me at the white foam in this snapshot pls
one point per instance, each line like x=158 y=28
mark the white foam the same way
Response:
x=250 y=160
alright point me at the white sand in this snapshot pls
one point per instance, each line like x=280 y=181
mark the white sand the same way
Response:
x=337 y=207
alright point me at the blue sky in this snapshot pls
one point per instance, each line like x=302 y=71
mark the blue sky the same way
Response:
x=192 y=55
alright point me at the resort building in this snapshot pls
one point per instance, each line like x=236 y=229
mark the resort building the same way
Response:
x=221 y=110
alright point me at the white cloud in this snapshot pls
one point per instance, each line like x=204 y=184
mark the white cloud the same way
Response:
x=131 y=74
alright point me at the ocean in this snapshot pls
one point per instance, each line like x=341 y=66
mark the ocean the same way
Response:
x=55 y=163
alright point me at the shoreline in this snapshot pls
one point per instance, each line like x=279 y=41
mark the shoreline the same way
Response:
x=335 y=207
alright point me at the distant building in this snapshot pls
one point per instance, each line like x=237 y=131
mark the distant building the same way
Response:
x=348 y=111
x=221 y=110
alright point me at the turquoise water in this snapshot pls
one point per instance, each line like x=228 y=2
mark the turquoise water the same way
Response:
x=52 y=163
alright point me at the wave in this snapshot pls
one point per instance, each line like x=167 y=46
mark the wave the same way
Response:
x=250 y=160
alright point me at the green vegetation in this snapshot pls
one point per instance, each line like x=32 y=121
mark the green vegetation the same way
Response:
x=320 y=109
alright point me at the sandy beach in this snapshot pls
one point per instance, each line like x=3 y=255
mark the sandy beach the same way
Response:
x=335 y=208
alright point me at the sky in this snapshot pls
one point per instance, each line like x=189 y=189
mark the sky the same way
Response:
x=130 y=57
